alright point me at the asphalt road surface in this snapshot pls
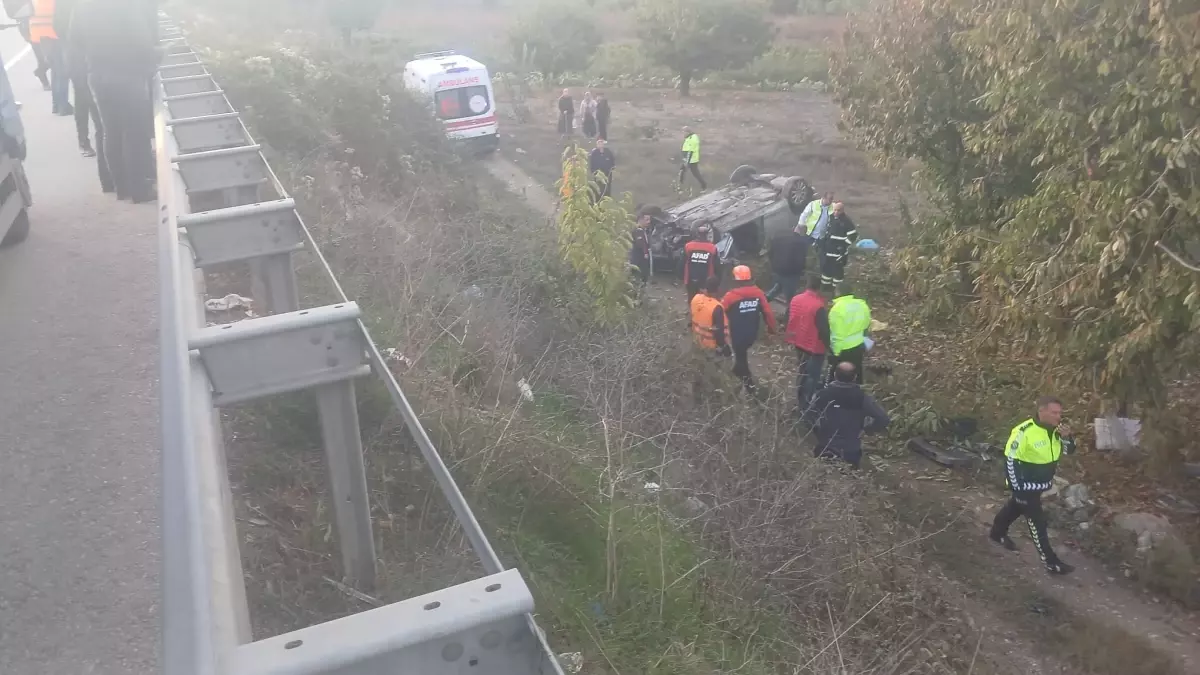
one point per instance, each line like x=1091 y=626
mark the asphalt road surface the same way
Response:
x=79 y=475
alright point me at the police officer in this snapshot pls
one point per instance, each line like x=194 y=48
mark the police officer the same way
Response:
x=1030 y=460
x=700 y=261
x=849 y=320
x=691 y=158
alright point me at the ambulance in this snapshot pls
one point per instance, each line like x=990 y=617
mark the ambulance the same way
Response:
x=460 y=90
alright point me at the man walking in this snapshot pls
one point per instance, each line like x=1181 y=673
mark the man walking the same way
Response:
x=840 y=236
x=708 y=329
x=700 y=261
x=601 y=160
x=603 y=115
x=788 y=254
x=691 y=158
x=744 y=305
x=119 y=46
x=42 y=34
x=815 y=217
x=566 y=114
x=808 y=332
x=21 y=11
x=849 y=320
x=840 y=414
x=76 y=65
x=1031 y=458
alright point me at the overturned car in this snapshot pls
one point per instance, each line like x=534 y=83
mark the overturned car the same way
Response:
x=740 y=214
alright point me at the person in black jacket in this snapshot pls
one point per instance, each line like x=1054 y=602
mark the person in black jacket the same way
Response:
x=840 y=414
x=840 y=236
x=601 y=159
x=85 y=107
x=603 y=115
x=566 y=113
x=788 y=254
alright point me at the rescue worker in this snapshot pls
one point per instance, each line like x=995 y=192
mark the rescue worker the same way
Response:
x=639 y=253
x=744 y=305
x=1030 y=459
x=601 y=159
x=788 y=254
x=708 y=329
x=840 y=414
x=815 y=217
x=808 y=332
x=20 y=11
x=118 y=41
x=849 y=320
x=691 y=158
x=840 y=236
x=700 y=261
x=42 y=34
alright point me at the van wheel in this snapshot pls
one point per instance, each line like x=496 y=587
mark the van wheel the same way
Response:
x=742 y=175
x=19 y=230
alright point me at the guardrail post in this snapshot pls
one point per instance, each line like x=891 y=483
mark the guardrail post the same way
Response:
x=338 y=410
x=273 y=283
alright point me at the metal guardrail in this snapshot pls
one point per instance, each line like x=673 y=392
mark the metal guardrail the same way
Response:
x=220 y=202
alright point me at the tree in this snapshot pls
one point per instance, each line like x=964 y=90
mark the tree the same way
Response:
x=693 y=37
x=555 y=38
x=1061 y=142
x=594 y=238
x=351 y=15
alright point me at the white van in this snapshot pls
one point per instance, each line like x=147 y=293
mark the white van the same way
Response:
x=460 y=90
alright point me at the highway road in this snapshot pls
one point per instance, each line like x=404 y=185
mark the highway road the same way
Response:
x=79 y=467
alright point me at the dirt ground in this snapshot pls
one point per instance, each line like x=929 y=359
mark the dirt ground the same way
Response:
x=793 y=133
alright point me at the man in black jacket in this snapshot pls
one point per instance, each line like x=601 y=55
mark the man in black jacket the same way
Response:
x=118 y=40
x=603 y=115
x=839 y=414
x=601 y=159
x=788 y=254
x=840 y=236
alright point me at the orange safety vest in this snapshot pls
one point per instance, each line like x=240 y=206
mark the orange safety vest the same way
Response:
x=41 y=24
x=702 y=319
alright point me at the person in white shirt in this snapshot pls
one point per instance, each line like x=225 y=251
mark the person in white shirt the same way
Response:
x=814 y=219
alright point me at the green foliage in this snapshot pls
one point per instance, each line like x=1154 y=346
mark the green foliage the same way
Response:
x=555 y=38
x=594 y=238
x=1059 y=142
x=694 y=37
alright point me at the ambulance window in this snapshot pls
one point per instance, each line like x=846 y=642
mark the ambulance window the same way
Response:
x=454 y=104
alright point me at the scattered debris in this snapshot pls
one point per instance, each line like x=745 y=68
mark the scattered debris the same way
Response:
x=652 y=487
x=1117 y=433
x=520 y=151
x=393 y=355
x=357 y=595
x=868 y=244
x=472 y=291
x=231 y=301
x=526 y=390
x=878 y=326
x=571 y=662
x=950 y=457
x=1076 y=497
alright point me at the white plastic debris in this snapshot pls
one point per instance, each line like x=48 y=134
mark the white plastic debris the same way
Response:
x=393 y=355
x=652 y=487
x=571 y=662
x=1117 y=433
x=231 y=301
x=526 y=390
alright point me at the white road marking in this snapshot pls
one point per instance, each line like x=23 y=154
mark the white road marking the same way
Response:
x=20 y=55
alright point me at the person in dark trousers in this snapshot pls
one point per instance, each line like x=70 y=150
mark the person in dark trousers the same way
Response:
x=708 y=329
x=1030 y=459
x=745 y=305
x=20 y=11
x=603 y=115
x=849 y=321
x=691 y=158
x=42 y=33
x=701 y=261
x=86 y=113
x=840 y=414
x=566 y=113
x=639 y=253
x=788 y=254
x=118 y=42
x=840 y=237
x=601 y=159
x=808 y=332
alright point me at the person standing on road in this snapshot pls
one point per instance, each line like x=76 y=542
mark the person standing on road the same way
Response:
x=849 y=320
x=566 y=114
x=603 y=115
x=118 y=43
x=20 y=11
x=41 y=33
x=808 y=332
x=76 y=65
x=814 y=218
x=840 y=414
x=840 y=236
x=788 y=254
x=601 y=160
x=744 y=305
x=587 y=115
x=700 y=261
x=691 y=158
x=1030 y=458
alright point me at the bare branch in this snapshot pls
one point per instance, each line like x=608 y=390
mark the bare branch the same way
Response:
x=1177 y=258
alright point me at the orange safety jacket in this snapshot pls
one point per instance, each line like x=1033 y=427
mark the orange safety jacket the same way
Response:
x=41 y=24
x=708 y=321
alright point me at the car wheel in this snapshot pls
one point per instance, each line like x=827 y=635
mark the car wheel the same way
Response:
x=742 y=175
x=19 y=230
x=798 y=194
